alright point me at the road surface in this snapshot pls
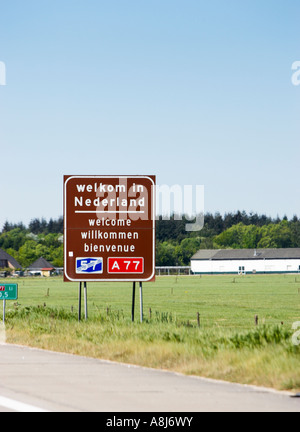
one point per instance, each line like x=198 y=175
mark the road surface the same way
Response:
x=36 y=380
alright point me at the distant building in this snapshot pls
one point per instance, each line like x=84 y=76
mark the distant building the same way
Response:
x=41 y=267
x=243 y=261
x=7 y=261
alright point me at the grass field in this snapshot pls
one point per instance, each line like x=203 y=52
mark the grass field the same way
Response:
x=227 y=345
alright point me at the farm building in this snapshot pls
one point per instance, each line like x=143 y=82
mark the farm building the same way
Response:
x=7 y=261
x=41 y=267
x=243 y=261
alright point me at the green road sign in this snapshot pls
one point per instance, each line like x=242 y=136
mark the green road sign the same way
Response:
x=8 y=291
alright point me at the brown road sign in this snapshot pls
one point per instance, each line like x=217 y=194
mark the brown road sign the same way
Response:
x=109 y=228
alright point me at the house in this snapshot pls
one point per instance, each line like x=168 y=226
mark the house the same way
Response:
x=7 y=261
x=41 y=267
x=243 y=261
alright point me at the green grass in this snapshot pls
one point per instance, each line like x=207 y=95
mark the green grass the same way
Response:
x=227 y=345
x=222 y=301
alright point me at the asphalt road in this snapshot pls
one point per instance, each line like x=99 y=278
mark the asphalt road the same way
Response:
x=35 y=380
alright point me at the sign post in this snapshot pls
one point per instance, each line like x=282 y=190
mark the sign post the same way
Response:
x=79 y=304
x=141 y=302
x=109 y=230
x=8 y=292
x=85 y=301
x=133 y=302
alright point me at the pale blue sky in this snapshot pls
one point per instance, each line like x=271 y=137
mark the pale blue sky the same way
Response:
x=193 y=91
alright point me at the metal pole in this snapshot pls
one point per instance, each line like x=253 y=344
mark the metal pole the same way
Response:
x=141 y=301
x=133 y=302
x=79 y=308
x=85 y=301
x=4 y=305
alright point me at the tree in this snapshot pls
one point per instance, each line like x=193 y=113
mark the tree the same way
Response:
x=187 y=249
x=27 y=253
x=14 y=239
x=165 y=254
x=35 y=226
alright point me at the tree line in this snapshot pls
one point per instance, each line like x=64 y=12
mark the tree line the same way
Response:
x=237 y=230
x=37 y=226
x=40 y=239
x=174 y=245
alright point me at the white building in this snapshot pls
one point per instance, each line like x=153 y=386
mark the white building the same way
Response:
x=237 y=261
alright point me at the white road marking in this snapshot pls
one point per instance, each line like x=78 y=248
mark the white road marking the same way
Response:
x=19 y=406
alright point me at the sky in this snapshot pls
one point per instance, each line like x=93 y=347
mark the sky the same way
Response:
x=194 y=92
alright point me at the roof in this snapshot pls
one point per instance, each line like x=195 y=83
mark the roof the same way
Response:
x=5 y=256
x=41 y=264
x=246 y=254
x=204 y=254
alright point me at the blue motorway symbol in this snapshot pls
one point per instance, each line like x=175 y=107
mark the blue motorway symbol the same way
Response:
x=89 y=265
